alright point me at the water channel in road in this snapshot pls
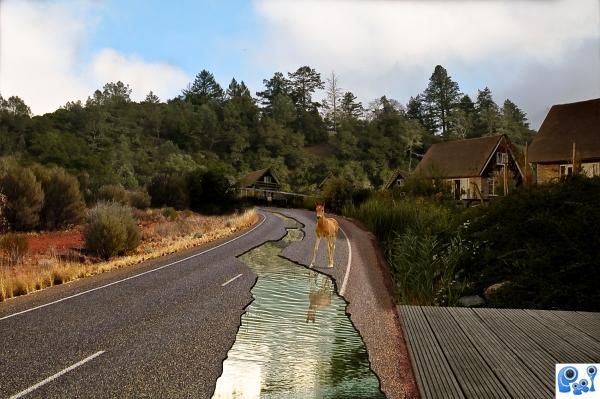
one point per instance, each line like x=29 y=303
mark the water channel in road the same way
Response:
x=295 y=340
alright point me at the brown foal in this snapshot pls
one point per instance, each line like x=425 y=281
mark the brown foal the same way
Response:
x=328 y=228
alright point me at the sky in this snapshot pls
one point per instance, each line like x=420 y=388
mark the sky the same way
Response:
x=535 y=52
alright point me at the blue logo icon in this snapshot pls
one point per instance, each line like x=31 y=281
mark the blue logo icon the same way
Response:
x=576 y=380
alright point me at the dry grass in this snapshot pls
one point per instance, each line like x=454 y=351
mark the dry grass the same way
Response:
x=159 y=237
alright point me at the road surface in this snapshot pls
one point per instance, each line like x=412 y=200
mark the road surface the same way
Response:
x=158 y=329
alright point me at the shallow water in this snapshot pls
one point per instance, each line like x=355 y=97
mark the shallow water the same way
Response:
x=295 y=340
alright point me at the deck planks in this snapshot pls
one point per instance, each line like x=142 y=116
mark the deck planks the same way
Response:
x=495 y=353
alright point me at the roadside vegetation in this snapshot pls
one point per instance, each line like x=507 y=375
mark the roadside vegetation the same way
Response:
x=536 y=248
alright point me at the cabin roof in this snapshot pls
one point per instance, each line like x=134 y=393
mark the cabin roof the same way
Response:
x=254 y=176
x=397 y=173
x=564 y=125
x=460 y=158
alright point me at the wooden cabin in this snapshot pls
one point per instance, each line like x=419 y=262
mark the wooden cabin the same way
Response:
x=473 y=169
x=396 y=180
x=570 y=133
x=259 y=184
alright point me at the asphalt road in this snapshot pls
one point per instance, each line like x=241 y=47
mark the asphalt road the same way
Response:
x=159 y=329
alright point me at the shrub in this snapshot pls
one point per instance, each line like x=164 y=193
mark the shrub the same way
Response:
x=210 y=192
x=25 y=198
x=168 y=190
x=63 y=202
x=338 y=193
x=111 y=230
x=169 y=213
x=543 y=241
x=15 y=246
x=113 y=193
x=139 y=199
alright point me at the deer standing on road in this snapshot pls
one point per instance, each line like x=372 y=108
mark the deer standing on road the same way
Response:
x=328 y=228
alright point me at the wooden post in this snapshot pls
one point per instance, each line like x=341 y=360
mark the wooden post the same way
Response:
x=526 y=169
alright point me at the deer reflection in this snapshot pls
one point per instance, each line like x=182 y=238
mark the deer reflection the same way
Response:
x=319 y=294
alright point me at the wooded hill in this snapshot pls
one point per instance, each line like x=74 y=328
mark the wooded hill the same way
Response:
x=111 y=139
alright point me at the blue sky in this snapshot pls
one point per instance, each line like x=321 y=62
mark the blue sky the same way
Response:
x=537 y=53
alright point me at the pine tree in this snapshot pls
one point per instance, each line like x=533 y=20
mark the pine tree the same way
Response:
x=152 y=98
x=277 y=85
x=487 y=113
x=204 y=89
x=350 y=108
x=303 y=83
x=441 y=97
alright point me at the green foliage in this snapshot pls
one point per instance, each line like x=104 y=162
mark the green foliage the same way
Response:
x=113 y=193
x=110 y=230
x=168 y=190
x=15 y=246
x=337 y=194
x=542 y=240
x=139 y=199
x=63 y=202
x=210 y=192
x=420 y=245
x=25 y=198
x=169 y=213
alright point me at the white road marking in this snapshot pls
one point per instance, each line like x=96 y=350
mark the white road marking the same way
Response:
x=131 y=277
x=345 y=282
x=231 y=279
x=55 y=376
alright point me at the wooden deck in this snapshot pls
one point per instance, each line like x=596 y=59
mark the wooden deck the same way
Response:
x=495 y=353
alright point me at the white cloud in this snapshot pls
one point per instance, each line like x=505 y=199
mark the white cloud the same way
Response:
x=391 y=47
x=44 y=57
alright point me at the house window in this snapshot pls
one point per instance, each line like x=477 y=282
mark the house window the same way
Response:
x=591 y=169
x=492 y=186
x=501 y=158
x=267 y=179
x=566 y=170
x=400 y=182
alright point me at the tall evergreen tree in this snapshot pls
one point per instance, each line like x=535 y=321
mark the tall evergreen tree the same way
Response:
x=277 y=85
x=513 y=123
x=350 y=108
x=487 y=113
x=441 y=97
x=303 y=83
x=204 y=89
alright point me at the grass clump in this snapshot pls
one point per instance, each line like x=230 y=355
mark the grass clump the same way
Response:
x=15 y=247
x=110 y=230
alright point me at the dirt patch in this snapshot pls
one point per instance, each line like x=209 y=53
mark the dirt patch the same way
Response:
x=60 y=241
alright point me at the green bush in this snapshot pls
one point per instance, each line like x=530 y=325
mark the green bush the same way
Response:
x=170 y=213
x=544 y=241
x=111 y=230
x=63 y=202
x=210 y=192
x=113 y=193
x=168 y=190
x=25 y=198
x=15 y=246
x=139 y=199
x=337 y=194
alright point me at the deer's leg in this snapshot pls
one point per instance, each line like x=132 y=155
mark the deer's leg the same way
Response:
x=329 y=252
x=312 y=262
x=332 y=249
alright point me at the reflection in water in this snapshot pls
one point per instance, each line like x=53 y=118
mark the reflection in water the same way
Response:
x=278 y=353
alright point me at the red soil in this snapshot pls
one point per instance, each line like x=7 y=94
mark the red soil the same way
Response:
x=61 y=241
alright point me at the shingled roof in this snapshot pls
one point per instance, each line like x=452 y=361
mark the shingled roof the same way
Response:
x=397 y=173
x=567 y=123
x=460 y=158
x=254 y=176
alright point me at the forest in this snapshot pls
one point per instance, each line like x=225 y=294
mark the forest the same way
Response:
x=111 y=140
